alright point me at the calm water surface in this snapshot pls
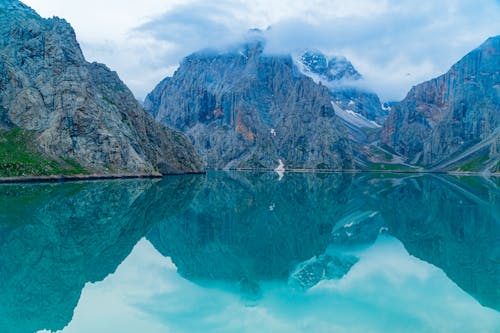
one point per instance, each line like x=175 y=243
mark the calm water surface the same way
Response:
x=247 y=252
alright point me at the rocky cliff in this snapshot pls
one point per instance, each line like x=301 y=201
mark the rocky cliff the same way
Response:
x=359 y=110
x=245 y=109
x=74 y=110
x=452 y=122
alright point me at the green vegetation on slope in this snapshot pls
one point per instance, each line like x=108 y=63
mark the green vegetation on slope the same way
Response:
x=475 y=164
x=18 y=157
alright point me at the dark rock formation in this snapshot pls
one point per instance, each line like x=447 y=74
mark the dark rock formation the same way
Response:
x=245 y=109
x=452 y=122
x=77 y=110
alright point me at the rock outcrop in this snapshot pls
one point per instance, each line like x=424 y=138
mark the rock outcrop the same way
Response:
x=452 y=122
x=245 y=109
x=78 y=110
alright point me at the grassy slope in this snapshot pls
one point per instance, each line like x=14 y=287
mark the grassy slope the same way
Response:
x=19 y=157
x=476 y=164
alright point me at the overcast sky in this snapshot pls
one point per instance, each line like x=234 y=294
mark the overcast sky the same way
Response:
x=394 y=44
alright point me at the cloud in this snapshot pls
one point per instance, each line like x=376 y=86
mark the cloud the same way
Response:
x=394 y=43
x=190 y=28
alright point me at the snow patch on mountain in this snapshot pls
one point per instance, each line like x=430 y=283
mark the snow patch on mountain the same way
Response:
x=354 y=118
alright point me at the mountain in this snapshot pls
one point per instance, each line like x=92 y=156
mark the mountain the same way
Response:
x=452 y=122
x=246 y=109
x=359 y=110
x=61 y=114
x=356 y=105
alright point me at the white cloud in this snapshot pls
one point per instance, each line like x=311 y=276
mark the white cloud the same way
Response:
x=394 y=44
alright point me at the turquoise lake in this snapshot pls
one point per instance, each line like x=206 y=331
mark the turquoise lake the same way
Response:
x=250 y=252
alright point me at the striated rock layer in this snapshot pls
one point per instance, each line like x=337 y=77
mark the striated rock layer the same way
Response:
x=78 y=110
x=245 y=109
x=452 y=122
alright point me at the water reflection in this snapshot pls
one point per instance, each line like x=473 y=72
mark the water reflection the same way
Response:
x=453 y=224
x=249 y=227
x=244 y=233
x=56 y=238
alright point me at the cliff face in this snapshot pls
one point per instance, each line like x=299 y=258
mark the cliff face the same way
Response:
x=77 y=110
x=244 y=109
x=452 y=121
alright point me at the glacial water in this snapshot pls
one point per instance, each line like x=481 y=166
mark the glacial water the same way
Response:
x=250 y=252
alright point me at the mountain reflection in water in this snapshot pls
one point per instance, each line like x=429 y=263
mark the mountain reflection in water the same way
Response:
x=241 y=232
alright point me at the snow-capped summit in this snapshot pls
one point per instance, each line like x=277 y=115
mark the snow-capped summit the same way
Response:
x=343 y=81
x=334 y=69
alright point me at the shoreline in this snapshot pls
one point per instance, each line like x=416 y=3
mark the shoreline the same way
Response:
x=73 y=178
x=70 y=178
x=354 y=171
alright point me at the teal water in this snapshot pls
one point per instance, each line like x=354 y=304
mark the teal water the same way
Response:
x=247 y=252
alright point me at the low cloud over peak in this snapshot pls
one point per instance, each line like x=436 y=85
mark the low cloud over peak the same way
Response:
x=393 y=44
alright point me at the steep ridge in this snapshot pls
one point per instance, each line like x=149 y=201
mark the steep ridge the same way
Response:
x=72 y=112
x=452 y=122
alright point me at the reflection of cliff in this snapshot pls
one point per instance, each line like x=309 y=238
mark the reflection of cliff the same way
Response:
x=55 y=238
x=248 y=226
x=452 y=225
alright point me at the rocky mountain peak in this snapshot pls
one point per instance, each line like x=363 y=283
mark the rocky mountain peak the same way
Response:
x=331 y=69
x=315 y=62
x=247 y=109
x=73 y=110
x=342 y=79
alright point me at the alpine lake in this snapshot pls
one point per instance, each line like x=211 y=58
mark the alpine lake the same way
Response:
x=252 y=252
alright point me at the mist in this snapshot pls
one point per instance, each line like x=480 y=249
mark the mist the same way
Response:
x=393 y=44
